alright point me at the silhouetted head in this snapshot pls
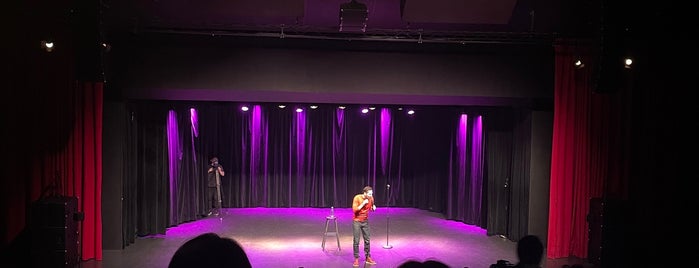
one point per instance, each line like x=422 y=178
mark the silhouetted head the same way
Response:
x=425 y=264
x=434 y=264
x=210 y=250
x=530 y=250
x=410 y=264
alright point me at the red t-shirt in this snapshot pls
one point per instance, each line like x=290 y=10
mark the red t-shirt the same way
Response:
x=361 y=214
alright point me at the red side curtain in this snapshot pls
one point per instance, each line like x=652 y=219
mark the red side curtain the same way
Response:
x=85 y=159
x=578 y=166
x=71 y=165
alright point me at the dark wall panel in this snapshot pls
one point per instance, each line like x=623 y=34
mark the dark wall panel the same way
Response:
x=113 y=173
x=235 y=73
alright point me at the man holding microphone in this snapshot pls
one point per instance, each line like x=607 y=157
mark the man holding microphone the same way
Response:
x=361 y=205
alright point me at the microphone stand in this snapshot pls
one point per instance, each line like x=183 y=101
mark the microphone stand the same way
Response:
x=388 y=203
x=218 y=192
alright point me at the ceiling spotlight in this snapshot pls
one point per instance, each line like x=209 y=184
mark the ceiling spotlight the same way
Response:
x=365 y=110
x=314 y=106
x=627 y=63
x=372 y=108
x=282 y=106
x=341 y=107
x=298 y=110
x=579 y=64
x=244 y=108
x=411 y=111
x=47 y=45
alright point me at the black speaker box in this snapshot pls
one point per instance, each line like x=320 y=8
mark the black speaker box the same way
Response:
x=54 y=232
x=607 y=233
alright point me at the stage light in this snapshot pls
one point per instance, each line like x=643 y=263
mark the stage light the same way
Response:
x=579 y=64
x=244 y=108
x=106 y=47
x=372 y=108
x=627 y=63
x=47 y=45
x=314 y=106
x=341 y=107
x=298 y=110
x=365 y=110
x=282 y=106
x=411 y=112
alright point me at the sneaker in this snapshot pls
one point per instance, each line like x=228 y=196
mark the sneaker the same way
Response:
x=370 y=261
x=356 y=262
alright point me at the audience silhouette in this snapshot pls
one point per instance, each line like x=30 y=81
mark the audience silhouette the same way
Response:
x=529 y=251
x=210 y=250
x=425 y=264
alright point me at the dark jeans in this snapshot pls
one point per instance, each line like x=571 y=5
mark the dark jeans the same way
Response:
x=212 y=198
x=363 y=228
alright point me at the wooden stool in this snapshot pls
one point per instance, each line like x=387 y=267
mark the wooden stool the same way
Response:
x=336 y=233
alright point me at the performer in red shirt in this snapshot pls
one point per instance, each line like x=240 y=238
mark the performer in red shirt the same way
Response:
x=361 y=205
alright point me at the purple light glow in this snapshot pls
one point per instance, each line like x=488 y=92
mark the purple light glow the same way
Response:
x=194 y=119
x=300 y=133
x=476 y=179
x=340 y=114
x=258 y=149
x=461 y=149
x=338 y=147
x=174 y=155
x=386 y=136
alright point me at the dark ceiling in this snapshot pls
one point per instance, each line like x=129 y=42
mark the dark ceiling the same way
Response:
x=428 y=20
x=438 y=21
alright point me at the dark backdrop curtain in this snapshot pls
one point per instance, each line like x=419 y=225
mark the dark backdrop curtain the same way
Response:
x=499 y=146
x=185 y=165
x=146 y=189
x=519 y=184
x=322 y=157
x=508 y=150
